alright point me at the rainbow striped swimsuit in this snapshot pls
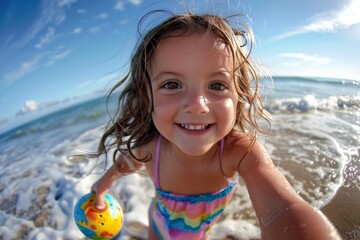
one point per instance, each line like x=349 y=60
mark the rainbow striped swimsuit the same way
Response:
x=175 y=216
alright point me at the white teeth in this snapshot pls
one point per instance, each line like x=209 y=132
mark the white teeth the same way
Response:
x=194 y=127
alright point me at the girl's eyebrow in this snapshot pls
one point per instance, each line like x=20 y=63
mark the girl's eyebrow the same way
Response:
x=220 y=73
x=165 y=74
x=223 y=74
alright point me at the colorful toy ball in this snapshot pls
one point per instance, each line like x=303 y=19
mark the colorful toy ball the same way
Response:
x=98 y=224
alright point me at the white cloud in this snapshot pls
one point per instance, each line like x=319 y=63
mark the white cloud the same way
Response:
x=85 y=84
x=94 y=29
x=109 y=77
x=103 y=15
x=29 y=106
x=81 y=11
x=23 y=69
x=301 y=58
x=77 y=30
x=123 y=22
x=120 y=5
x=34 y=63
x=49 y=103
x=59 y=54
x=135 y=2
x=63 y=3
x=47 y=38
x=52 y=13
x=348 y=16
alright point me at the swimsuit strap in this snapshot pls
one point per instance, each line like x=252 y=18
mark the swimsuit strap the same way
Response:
x=157 y=157
x=222 y=142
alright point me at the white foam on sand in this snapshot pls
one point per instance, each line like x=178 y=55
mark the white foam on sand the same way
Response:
x=38 y=194
x=38 y=200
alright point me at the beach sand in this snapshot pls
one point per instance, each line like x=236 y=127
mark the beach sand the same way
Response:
x=344 y=209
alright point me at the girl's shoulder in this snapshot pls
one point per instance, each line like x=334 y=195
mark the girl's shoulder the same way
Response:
x=238 y=143
x=239 y=139
x=146 y=151
x=241 y=148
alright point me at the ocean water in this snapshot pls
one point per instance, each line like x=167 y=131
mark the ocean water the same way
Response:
x=315 y=139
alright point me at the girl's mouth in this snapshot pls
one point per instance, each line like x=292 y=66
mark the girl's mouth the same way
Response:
x=192 y=127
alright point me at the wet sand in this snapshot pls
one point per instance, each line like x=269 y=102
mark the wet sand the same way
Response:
x=344 y=209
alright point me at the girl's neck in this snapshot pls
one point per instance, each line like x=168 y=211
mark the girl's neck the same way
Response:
x=176 y=153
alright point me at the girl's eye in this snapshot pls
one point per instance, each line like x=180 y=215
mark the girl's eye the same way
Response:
x=171 y=85
x=217 y=86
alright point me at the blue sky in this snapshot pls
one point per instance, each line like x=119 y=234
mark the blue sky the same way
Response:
x=57 y=52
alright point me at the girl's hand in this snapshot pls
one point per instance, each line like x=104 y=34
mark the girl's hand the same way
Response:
x=121 y=167
x=102 y=186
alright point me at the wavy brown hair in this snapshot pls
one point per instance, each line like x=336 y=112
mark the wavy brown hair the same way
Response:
x=132 y=124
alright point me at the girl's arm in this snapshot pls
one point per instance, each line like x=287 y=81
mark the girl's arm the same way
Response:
x=281 y=212
x=121 y=167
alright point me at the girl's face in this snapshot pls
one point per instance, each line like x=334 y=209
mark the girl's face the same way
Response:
x=194 y=92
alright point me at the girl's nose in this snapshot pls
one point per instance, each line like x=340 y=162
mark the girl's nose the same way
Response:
x=196 y=104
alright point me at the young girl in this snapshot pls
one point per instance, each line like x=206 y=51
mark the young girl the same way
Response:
x=189 y=114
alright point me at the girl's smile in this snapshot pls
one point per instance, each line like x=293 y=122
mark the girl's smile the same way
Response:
x=195 y=127
x=193 y=90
